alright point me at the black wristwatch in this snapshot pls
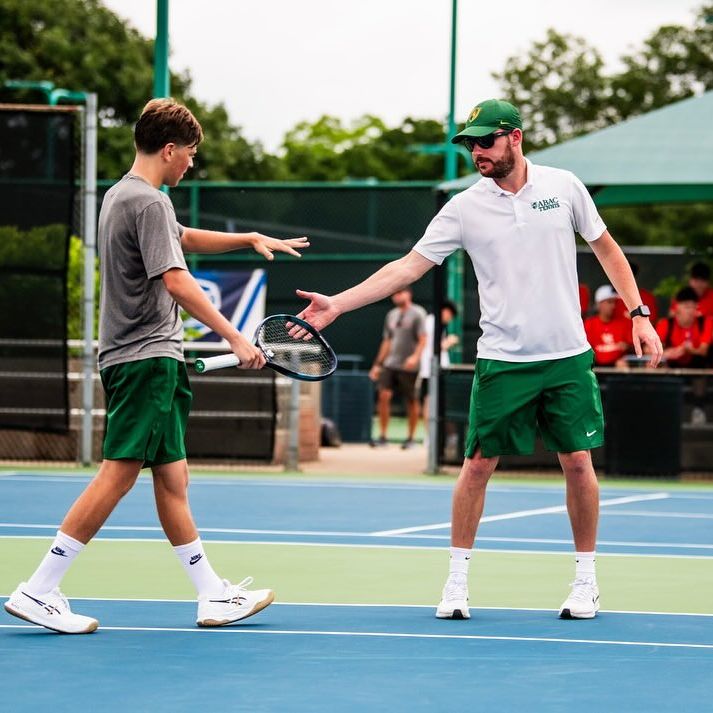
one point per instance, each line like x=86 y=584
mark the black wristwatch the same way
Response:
x=640 y=311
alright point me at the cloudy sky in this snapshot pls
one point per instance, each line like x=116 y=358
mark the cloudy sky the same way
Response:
x=276 y=62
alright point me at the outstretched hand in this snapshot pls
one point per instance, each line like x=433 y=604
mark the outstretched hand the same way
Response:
x=321 y=310
x=266 y=246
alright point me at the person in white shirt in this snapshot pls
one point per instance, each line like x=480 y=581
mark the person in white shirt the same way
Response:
x=448 y=312
x=533 y=368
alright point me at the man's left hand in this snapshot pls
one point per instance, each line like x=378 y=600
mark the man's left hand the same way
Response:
x=643 y=335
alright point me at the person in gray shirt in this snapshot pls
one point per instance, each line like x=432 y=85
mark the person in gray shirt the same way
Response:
x=144 y=283
x=397 y=363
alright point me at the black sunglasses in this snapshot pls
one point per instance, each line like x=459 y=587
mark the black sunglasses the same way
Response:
x=485 y=142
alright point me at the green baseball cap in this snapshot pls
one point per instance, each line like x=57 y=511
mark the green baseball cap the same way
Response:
x=489 y=116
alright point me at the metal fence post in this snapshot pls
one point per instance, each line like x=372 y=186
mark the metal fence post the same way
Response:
x=292 y=459
x=90 y=242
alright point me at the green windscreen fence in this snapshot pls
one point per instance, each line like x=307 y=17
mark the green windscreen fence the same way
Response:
x=37 y=184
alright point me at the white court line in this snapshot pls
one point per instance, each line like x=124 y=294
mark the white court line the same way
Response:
x=359 y=545
x=654 y=513
x=526 y=513
x=609 y=543
x=215 y=530
x=373 y=606
x=368 y=535
x=270 y=481
x=389 y=635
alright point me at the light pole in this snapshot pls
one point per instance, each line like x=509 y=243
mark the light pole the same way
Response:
x=161 y=75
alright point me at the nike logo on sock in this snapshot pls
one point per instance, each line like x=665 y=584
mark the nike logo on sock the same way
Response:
x=58 y=551
x=195 y=558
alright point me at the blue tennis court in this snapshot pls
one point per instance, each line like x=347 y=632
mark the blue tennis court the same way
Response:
x=633 y=520
x=340 y=646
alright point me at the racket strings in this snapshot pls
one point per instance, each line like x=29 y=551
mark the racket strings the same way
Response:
x=309 y=357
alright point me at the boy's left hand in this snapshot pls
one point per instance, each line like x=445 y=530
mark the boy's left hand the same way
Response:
x=266 y=246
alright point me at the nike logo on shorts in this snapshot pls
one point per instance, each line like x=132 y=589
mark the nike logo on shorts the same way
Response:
x=591 y=433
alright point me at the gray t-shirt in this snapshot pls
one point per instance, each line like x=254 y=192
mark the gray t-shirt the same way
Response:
x=403 y=328
x=139 y=240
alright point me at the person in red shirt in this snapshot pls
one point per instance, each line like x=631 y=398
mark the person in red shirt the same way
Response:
x=584 y=299
x=610 y=336
x=700 y=281
x=647 y=297
x=686 y=336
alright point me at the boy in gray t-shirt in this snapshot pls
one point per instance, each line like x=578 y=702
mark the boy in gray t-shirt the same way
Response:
x=144 y=281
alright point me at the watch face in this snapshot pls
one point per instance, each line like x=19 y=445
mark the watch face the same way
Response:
x=641 y=311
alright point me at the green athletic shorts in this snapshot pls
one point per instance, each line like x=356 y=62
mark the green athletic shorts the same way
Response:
x=147 y=406
x=512 y=401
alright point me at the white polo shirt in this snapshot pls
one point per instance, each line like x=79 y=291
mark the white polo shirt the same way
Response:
x=523 y=251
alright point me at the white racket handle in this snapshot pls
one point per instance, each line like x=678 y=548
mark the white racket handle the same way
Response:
x=217 y=362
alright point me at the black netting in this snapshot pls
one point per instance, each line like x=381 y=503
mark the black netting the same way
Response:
x=37 y=180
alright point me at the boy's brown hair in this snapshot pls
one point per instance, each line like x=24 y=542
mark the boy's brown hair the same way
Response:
x=165 y=121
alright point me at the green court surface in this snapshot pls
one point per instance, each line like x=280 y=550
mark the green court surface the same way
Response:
x=370 y=575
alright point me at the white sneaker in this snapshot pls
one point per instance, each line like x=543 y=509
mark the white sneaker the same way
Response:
x=454 y=600
x=583 y=600
x=233 y=604
x=49 y=610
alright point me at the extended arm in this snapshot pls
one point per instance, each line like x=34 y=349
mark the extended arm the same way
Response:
x=617 y=268
x=196 y=240
x=183 y=287
x=396 y=275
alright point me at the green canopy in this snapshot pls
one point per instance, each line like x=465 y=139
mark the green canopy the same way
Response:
x=664 y=156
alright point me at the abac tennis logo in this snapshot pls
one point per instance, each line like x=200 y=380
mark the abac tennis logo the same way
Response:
x=546 y=204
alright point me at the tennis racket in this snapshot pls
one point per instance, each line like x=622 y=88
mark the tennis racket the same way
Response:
x=308 y=358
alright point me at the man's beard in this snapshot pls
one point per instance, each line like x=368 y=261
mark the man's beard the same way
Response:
x=501 y=168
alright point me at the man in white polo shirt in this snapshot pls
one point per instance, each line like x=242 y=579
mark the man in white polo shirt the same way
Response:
x=534 y=365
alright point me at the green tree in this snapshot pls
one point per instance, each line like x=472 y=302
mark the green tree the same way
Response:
x=563 y=91
x=675 y=62
x=560 y=89
x=327 y=149
x=82 y=45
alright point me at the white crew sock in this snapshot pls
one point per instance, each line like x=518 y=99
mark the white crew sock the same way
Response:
x=585 y=568
x=460 y=561
x=55 y=563
x=195 y=562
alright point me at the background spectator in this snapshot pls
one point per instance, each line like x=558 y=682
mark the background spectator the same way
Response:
x=584 y=296
x=647 y=297
x=448 y=312
x=609 y=336
x=397 y=362
x=686 y=336
x=699 y=281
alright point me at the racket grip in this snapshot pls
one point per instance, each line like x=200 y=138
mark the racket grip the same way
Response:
x=217 y=362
